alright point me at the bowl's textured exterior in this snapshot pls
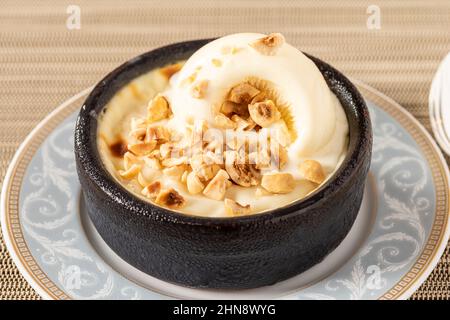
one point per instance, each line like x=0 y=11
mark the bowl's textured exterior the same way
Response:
x=238 y=252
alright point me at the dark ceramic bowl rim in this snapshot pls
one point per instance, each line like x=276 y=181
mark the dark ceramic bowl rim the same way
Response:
x=86 y=144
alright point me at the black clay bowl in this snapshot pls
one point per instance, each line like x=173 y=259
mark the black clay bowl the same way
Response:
x=238 y=252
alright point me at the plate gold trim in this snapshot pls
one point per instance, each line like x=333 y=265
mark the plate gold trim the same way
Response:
x=423 y=265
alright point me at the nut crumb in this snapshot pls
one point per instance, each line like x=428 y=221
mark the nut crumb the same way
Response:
x=169 y=70
x=194 y=184
x=223 y=122
x=217 y=187
x=199 y=90
x=158 y=109
x=131 y=172
x=269 y=45
x=142 y=148
x=242 y=93
x=312 y=171
x=264 y=113
x=278 y=182
x=152 y=190
x=170 y=198
x=233 y=208
x=217 y=62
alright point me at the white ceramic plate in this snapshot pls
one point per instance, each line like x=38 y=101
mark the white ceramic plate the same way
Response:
x=397 y=239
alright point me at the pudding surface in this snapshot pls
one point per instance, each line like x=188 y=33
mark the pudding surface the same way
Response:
x=246 y=125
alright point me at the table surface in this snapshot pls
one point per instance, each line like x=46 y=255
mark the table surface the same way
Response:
x=42 y=62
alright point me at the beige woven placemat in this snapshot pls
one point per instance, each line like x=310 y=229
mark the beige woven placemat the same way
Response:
x=42 y=63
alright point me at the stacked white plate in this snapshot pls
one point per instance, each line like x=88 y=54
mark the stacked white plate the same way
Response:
x=439 y=101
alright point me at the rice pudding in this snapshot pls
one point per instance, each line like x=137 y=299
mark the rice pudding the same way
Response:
x=247 y=124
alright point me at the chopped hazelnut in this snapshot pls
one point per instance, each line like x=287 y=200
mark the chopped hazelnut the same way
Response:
x=142 y=148
x=264 y=113
x=229 y=108
x=131 y=172
x=158 y=109
x=217 y=187
x=129 y=159
x=199 y=90
x=233 y=208
x=242 y=93
x=194 y=184
x=175 y=171
x=278 y=182
x=169 y=70
x=217 y=62
x=223 y=122
x=312 y=171
x=170 y=198
x=160 y=134
x=152 y=190
x=269 y=45
x=175 y=161
x=244 y=174
x=261 y=192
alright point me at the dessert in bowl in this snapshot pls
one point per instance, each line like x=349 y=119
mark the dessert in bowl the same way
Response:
x=232 y=163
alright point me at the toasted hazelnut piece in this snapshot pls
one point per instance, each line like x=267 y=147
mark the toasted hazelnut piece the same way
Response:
x=217 y=62
x=194 y=184
x=241 y=124
x=196 y=161
x=155 y=154
x=233 y=208
x=213 y=158
x=228 y=108
x=223 y=122
x=148 y=175
x=259 y=97
x=184 y=176
x=158 y=109
x=169 y=70
x=190 y=79
x=131 y=172
x=170 y=150
x=142 y=148
x=152 y=190
x=214 y=146
x=142 y=181
x=244 y=174
x=170 y=198
x=264 y=113
x=129 y=159
x=160 y=134
x=175 y=171
x=250 y=124
x=278 y=182
x=152 y=162
x=175 y=161
x=138 y=133
x=207 y=172
x=217 y=187
x=261 y=192
x=269 y=45
x=312 y=171
x=199 y=89
x=242 y=93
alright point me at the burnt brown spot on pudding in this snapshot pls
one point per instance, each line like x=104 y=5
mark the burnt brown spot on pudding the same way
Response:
x=118 y=148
